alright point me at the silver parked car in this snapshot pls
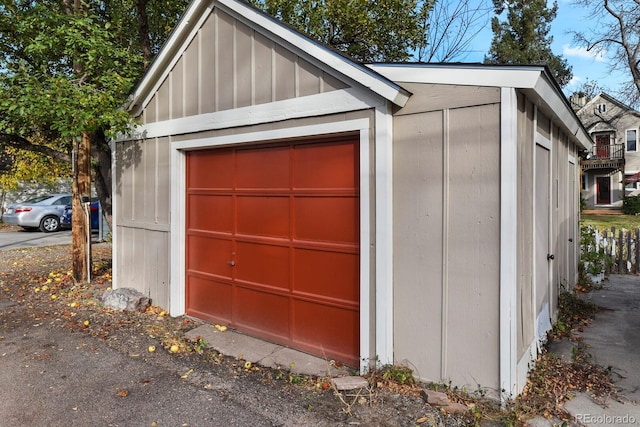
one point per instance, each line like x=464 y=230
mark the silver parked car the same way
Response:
x=40 y=212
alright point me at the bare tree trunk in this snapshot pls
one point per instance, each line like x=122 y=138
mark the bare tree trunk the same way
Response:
x=102 y=173
x=81 y=228
x=143 y=31
x=3 y=195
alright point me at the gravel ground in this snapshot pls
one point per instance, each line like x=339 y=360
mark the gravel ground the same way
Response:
x=68 y=361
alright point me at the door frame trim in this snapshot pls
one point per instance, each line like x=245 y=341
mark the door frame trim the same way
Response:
x=177 y=301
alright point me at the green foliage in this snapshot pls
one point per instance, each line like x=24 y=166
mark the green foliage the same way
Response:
x=398 y=374
x=593 y=257
x=631 y=205
x=369 y=31
x=523 y=39
x=67 y=75
x=572 y=311
x=26 y=166
x=65 y=71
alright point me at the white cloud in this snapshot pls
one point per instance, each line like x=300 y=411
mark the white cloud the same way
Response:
x=575 y=81
x=583 y=53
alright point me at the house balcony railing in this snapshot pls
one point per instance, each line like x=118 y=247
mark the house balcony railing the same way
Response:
x=604 y=156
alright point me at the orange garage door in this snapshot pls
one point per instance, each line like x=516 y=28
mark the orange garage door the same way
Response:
x=273 y=243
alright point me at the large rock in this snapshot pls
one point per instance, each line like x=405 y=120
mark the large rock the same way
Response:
x=125 y=299
x=433 y=397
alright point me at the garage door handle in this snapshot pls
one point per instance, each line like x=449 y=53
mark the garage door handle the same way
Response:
x=231 y=263
x=550 y=256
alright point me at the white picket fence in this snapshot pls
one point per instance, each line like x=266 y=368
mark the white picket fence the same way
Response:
x=623 y=246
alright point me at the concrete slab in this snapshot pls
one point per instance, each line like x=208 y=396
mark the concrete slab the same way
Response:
x=235 y=344
x=591 y=414
x=350 y=383
x=612 y=339
x=541 y=422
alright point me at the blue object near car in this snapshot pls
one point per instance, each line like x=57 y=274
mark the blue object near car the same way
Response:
x=37 y=213
x=66 y=217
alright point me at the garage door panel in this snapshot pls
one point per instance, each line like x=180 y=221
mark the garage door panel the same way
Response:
x=263 y=216
x=268 y=311
x=329 y=219
x=211 y=213
x=331 y=165
x=327 y=274
x=210 y=169
x=210 y=297
x=263 y=168
x=273 y=237
x=209 y=255
x=261 y=263
x=339 y=334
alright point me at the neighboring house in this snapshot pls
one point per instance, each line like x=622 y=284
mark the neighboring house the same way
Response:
x=612 y=167
x=399 y=213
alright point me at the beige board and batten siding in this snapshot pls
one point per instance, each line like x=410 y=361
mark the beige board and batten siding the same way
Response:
x=143 y=216
x=563 y=233
x=524 y=294
x=446 y=233
x=228 y=65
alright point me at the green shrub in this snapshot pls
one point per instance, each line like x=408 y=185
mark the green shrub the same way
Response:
x=631 y=205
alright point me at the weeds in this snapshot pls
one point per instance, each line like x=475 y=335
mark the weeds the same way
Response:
x=573 y=312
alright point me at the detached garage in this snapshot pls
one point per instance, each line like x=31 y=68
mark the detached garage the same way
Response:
x=404 y=213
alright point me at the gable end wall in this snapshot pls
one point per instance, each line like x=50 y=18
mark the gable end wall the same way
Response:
x=229 y=65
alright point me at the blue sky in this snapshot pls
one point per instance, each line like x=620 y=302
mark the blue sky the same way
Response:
x=585 y=64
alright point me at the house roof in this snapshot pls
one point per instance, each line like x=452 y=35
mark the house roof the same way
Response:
x=535 y=80
x=286 y=35
x=605 y=96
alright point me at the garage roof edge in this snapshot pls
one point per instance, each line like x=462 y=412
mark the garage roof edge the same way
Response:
x=536 y=80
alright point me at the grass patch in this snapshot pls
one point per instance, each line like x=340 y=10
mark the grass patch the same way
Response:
x=605 y=222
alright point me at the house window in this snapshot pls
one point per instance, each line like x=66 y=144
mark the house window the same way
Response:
x=585 y=182
x=631 y=181
x=602 y=108
x=632 y=140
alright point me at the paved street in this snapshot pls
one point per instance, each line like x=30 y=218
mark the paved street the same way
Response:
x=17 y=239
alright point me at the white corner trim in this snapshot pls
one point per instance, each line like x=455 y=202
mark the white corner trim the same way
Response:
x=338 y=101
x=384 y=235
x=114 y=220
x=177 y=187
x=365 y=250
x=508 y=241
x=178 y=202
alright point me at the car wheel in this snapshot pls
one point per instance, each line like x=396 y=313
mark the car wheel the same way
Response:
x=49 y=224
